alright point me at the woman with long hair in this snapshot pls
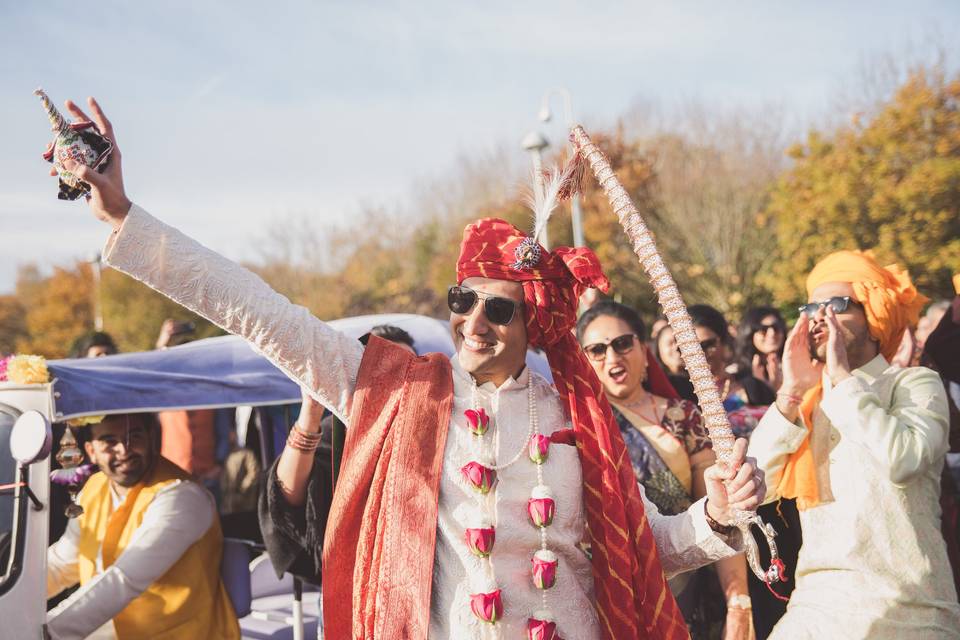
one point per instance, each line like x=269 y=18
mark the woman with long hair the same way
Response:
x=760 y=339
x=714 y=335
x=669 y=449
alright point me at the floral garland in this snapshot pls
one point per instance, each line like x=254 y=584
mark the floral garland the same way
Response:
x=480 y=537
x=24 y=369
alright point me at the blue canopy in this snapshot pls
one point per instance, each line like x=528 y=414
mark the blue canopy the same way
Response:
x=211 y=373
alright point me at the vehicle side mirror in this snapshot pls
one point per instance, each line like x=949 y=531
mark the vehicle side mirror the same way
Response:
x=31 y=438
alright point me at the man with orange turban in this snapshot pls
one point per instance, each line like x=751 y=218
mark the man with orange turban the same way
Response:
x=467 y=485
x=860 y=445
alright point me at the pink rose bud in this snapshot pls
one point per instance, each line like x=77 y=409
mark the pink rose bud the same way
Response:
x=480 y=541
x=487 y=606
x=541 y=627
x=541 y=506
x=537 y=451
x=544 y=569
x=477 y=420
x=481 y=477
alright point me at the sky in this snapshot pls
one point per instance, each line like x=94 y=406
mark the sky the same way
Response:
x=233 y=117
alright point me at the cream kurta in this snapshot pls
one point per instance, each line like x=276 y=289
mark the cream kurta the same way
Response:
x=873 y=562
x=327 y=362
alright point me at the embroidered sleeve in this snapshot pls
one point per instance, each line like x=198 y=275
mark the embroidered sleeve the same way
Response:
x=308 y=350
x=909 y=436
x=684 y=420
x=685 y=541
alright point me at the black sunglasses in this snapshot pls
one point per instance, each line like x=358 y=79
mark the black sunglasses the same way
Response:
x=621 y=344
x=839 y=304
x=765 y=328
x=708 y=344
x=498 y=310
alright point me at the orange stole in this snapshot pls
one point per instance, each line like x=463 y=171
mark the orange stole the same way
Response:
x=381 y=533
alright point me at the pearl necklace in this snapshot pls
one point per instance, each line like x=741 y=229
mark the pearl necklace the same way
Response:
x=541 y=509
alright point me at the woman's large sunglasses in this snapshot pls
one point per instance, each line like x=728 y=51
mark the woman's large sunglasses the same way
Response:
x=498 y=310
x=621 y=345
x=839 y=304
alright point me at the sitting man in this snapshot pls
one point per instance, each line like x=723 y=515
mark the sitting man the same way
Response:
x=146 y=550
x=860 y=445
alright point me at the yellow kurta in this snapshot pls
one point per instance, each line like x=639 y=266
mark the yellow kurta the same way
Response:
x=189 y=600
x=873 y=562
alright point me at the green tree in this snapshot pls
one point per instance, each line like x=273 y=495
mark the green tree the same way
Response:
x=891 y=185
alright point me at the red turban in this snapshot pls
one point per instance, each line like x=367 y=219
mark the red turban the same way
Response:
x=633 y=599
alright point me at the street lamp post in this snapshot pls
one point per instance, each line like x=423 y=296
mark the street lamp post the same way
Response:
x=535 y=143
x=96 y=263
x=575 y=213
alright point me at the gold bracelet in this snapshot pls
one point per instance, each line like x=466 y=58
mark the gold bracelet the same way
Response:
x=302 y=440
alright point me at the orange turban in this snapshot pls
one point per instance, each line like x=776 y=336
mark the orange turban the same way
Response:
x=891 y=304
x=889 y=299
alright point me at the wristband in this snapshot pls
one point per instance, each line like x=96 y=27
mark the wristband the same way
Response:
x=722 y=529
x=791 y=398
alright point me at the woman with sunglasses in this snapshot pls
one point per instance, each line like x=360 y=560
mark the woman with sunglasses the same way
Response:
x=669 y=449
x=714 y=335
x=760 y=339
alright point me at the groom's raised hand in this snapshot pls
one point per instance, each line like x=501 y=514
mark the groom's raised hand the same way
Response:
x=107 y=199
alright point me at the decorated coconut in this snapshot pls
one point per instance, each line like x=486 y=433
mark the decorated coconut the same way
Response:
x=79 y=141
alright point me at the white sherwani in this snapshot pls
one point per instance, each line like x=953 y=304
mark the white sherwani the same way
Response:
x=327 y=362
x=873 y=562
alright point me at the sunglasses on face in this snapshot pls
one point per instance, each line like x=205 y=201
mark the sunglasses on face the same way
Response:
x=765 y=328
x=621 y=345
x=709 y=344
x=498 y=310
x=839 y=304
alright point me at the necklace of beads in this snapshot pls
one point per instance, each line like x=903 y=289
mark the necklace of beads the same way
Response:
x=481 y=474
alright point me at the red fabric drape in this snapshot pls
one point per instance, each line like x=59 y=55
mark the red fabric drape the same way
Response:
x=379 y=544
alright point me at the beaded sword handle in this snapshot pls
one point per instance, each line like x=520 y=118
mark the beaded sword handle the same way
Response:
x=691 y=352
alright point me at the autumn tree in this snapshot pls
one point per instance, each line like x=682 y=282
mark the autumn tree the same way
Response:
x=55 y=310
x=58 y=309
x=133 y=313
x=701 y=184
x=13 y=324
x=890 y=184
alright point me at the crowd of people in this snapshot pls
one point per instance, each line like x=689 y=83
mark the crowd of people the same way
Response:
x=475 y=499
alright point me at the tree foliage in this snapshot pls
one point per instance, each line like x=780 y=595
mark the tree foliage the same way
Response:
x=738 y=225
x=891 y=185
x=58 y=309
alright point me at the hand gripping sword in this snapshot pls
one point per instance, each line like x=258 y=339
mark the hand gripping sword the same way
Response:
x=691 y=352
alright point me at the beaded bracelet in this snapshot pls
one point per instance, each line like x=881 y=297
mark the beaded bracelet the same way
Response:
x=303 y=440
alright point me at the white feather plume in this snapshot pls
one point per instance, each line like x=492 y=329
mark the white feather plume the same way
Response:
x=545 y=198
